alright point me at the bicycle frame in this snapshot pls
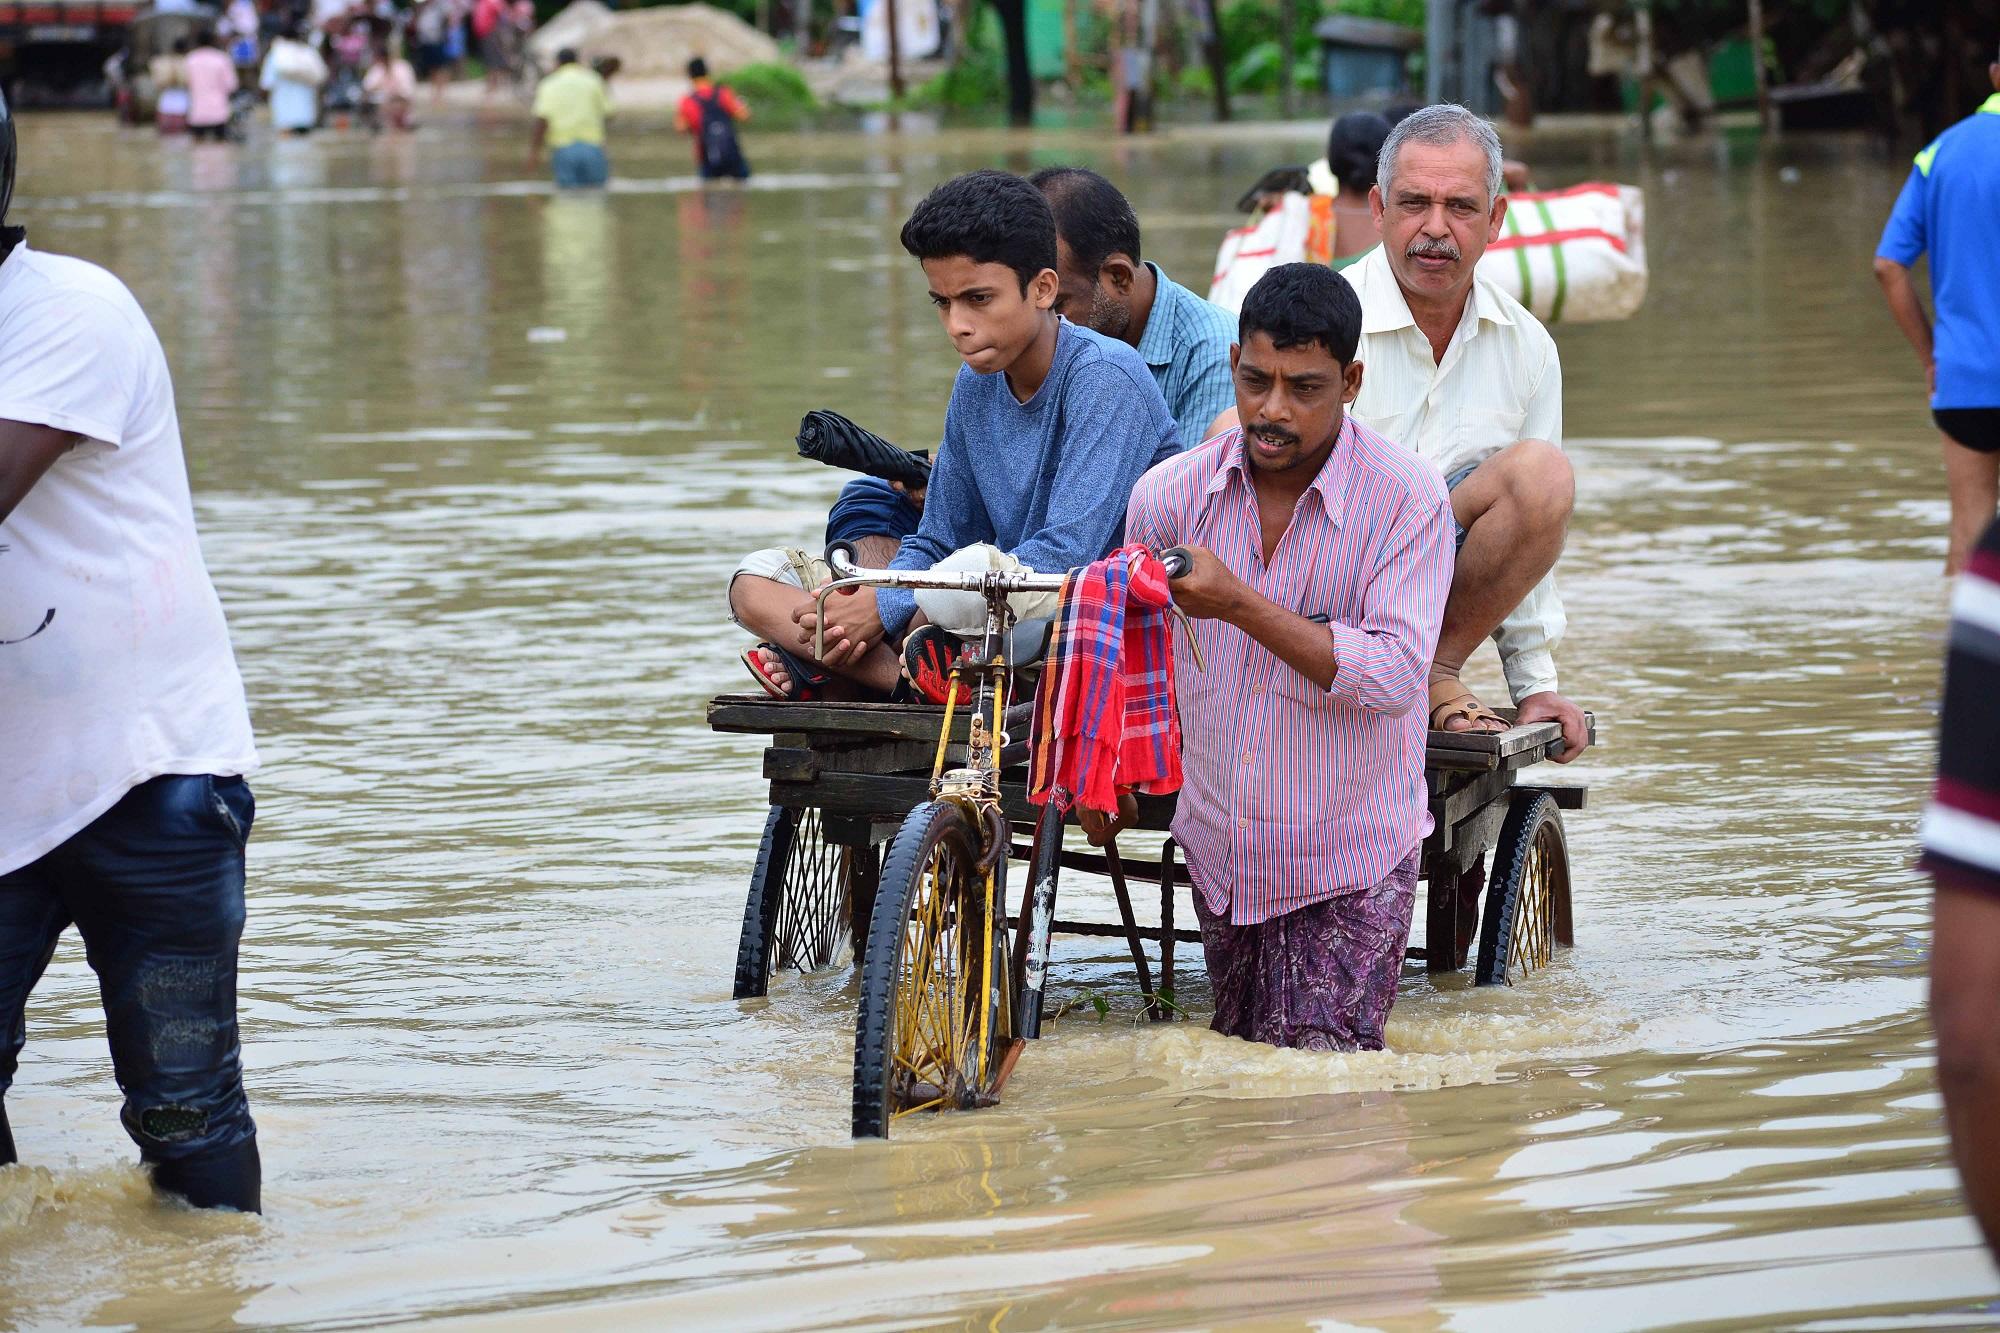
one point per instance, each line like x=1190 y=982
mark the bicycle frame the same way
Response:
x=975 y=785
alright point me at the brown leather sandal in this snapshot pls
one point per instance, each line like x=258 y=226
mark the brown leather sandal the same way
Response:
x=1450 y=699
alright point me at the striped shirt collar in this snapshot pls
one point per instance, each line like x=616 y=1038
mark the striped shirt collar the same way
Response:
x=1385 y=309
x=1158 y=345
x=1330 y=485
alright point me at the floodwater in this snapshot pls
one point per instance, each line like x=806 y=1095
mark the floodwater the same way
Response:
x=472 y=462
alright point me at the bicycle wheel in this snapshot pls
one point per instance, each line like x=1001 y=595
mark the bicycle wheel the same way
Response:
x=936 y=1015
x=797 y=913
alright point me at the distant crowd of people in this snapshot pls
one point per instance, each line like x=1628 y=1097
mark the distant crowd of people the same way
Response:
x=318 y=58
x=312 y=59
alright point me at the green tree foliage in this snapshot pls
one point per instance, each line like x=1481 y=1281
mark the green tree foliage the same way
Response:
x=774 y=89
x=978 y=79
x=1251 y=41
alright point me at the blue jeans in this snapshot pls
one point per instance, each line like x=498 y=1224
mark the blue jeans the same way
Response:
x=871 y=507
x=580 y=165
x=155 y=887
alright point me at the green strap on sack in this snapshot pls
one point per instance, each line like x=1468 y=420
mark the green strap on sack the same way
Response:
x=1562 y=274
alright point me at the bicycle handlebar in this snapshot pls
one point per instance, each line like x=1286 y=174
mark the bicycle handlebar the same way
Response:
x=849 y=574
x=840 y=558
x=994 y=583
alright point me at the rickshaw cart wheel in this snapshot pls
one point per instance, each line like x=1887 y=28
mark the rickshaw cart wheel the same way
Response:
x=936 y=1010
x=1527 y=901
x=797 y=913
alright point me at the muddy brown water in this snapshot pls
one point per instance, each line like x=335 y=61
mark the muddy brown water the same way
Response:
x=472 y=462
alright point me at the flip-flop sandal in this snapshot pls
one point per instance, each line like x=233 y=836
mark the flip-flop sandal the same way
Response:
x=928 y=657
x=807 y=681
x=1463 y=704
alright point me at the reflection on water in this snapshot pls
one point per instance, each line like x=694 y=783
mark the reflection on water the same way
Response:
x=473 y=460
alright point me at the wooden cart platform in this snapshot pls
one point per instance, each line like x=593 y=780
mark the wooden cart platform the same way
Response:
x=848 y=773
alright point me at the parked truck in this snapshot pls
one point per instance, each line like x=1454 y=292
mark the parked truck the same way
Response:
x=55 y=50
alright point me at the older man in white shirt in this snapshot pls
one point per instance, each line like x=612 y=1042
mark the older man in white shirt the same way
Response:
x=1460 y=372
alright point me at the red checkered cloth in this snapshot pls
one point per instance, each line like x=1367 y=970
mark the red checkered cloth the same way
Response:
x=1105 y=719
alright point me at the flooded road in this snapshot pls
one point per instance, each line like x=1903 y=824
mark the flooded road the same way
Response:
x=472 y=463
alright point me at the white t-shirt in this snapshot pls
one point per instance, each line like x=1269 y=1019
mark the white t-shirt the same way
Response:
x=133 y=677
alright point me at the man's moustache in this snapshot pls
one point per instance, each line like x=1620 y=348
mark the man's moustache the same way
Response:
x=1433 y=250
x=1273 y=433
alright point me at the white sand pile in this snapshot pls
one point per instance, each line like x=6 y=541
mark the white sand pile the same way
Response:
x=656 y=42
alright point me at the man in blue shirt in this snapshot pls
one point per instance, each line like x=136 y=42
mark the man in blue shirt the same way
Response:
x=1951 y=208
x=1183 y=339
x=1048 y=428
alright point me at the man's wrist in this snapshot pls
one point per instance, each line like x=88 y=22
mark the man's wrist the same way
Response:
x=1245 y=607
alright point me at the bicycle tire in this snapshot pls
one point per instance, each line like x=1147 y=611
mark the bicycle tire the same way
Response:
x=797 y=912
x=1528 y=898
x=911 y=1055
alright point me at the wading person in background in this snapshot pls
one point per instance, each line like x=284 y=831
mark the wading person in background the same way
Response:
x=293 y=74
x=571 y=106
x=170 y=103
x=211 y=82
x=123 y=805
x=1321 y=558
x=1950 y=209
x=238 y=28
x=390 y=86
x=1961 y=837
x=1048 y=427
x=1183 y=339
x=710 y=113
x=489 y=31
x=430 y=28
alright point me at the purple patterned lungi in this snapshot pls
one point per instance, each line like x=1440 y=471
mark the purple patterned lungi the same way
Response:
x=1317 y=978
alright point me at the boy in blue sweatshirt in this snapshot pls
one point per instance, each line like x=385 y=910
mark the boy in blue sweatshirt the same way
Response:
x=1048 y=428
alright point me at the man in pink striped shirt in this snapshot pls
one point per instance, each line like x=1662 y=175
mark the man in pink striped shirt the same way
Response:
x=1321 y=560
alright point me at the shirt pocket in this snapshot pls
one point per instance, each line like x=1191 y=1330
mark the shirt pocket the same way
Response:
x=1483 y=431
x=1333 y=592
x=1192 y=683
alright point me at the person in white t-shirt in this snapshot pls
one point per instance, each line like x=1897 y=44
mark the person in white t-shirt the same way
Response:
x=123 y=805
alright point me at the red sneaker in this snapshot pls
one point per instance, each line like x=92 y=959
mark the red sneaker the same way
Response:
x=928 y=657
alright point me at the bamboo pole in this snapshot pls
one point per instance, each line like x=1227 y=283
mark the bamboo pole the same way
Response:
x=1757 y=73
x=1210 y=23
x=1149 y=45
x=1072 y=52
x=895 y=51
x=1288 y=22
x=1643 y=20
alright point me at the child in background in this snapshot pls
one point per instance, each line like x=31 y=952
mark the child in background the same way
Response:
x=169 y=71
x=390 y=86
x=710 y=113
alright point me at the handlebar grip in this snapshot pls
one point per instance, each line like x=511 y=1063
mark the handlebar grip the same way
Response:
x=1177 y=561
x=840 y=559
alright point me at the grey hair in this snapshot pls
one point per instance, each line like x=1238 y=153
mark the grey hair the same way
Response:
x=1440 y=125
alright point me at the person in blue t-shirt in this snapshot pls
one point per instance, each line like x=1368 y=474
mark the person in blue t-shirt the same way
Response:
x=1048 y=428
x=1950 y=208
x=1105 y=286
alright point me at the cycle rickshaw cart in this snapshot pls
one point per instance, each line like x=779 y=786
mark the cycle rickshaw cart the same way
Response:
x=892 y=825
